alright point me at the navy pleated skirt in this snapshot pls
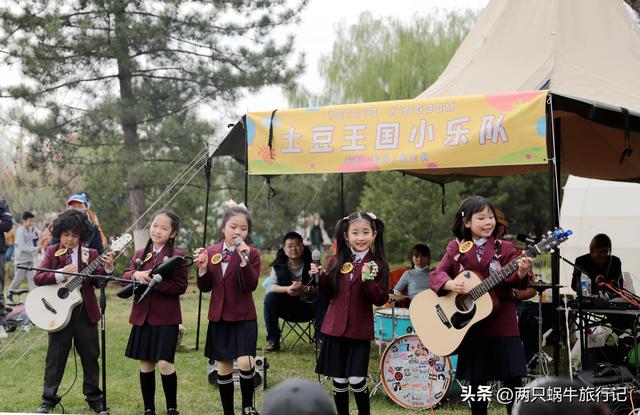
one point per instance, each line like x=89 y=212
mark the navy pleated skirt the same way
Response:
x=227 y=340
x=491 y=358
x=153 y=343
x=341 y=357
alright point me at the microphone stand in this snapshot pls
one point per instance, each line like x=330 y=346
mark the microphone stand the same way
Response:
x=581 y=323
x=101 y=281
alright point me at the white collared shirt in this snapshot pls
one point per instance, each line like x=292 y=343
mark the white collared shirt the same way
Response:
x=74 y=258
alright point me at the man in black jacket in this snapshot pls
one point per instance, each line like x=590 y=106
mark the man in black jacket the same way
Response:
x=290 y=291
x=6 y=223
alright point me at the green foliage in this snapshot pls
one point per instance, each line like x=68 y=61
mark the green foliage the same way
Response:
x=525 y=200
x=111 y=89
x=411 y=209
x=385 y=59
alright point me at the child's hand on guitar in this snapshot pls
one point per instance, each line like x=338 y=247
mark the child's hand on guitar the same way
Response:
x=200 y=258
x=68 y=268
x=457 y=286
x=524 y=265
x=107 y=260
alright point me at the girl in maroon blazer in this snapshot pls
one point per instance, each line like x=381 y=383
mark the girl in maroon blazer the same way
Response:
x=492 y=349
x=70 y=255
x=355 y=278
x=230 y=269
x=154 y=335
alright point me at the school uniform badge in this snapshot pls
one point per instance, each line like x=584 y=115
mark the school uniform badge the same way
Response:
x=346 y=268
x=216 y=259
x=465 y=247
x=147 y=257
x=61 y=252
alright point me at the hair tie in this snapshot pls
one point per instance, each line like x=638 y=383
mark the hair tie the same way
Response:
x=372 y=216
x=345 y=218
x=232 y=204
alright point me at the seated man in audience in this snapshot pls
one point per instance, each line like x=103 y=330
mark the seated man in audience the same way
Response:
x=290 y=291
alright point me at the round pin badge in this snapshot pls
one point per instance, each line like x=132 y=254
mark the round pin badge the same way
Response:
x=216 y=259
x=465 y=247
x=147 y=257
x=61 y=251
x=346 y=268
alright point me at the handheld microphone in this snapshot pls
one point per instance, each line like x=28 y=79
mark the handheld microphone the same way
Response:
x=157 y=278
x=315 y=257
x=245 y=255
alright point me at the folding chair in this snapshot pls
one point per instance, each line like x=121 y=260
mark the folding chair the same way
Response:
x=299 y=330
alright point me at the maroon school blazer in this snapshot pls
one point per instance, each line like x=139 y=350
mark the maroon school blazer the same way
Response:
x=51 y=261
x=502 y=322
x=231 y=298
x=162 y=305
x=350 y=313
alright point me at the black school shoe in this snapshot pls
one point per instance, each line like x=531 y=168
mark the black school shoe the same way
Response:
x=96 y=406
x=271 y=347
x=172 y=411
x=250 y=410
x=45 y=407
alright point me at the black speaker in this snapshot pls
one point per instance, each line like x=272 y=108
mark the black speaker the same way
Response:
x=260 y=378
x=606 y=374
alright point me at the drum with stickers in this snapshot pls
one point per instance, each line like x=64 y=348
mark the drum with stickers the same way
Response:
x=390 y=323
x=415 y=378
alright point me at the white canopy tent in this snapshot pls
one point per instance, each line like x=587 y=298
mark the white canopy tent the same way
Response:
x=593 y=206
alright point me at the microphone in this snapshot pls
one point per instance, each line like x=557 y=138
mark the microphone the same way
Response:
x=157 y=278
x=315 y=257
x=245 y=255
x=527 y=239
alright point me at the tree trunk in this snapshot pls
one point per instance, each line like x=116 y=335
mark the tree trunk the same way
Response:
x=128 y=120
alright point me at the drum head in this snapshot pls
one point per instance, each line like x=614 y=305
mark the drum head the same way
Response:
x=413 y=377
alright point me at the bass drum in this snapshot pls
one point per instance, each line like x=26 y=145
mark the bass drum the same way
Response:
x=413 y=377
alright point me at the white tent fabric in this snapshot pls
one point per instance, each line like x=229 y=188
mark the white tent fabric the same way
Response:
x=584 y=49
x=593 y=206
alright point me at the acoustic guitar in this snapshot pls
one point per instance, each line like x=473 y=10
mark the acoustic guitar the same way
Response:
x=49 y=306
x=441 y=322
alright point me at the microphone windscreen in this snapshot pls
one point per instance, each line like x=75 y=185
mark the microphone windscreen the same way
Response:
x=237 y=242
x=316 y=255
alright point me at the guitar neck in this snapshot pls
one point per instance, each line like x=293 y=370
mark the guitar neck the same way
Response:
x=76 y=282
x=500 y=275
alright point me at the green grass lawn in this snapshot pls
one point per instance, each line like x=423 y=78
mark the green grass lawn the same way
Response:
x=22 y=362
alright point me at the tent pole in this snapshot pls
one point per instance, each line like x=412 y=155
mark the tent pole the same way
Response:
x=342 y=195
x=246 y=174
x=207 y=173
x=553 y=145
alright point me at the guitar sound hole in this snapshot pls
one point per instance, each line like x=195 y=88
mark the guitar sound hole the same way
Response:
x=63 y=293
x=464 y=303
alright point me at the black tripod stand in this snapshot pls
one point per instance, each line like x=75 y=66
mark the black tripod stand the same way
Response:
x=541 y=358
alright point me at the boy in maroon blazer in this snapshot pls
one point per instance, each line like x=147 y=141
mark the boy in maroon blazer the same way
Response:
x=73 y=228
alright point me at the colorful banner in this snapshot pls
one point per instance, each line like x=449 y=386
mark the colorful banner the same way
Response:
x=454 y=132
